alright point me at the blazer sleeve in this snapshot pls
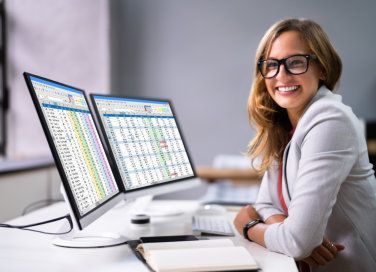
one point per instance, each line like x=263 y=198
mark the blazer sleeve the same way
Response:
x=328 y=144
x=265 y=204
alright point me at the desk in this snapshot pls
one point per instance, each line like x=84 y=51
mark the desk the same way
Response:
x=236 y=175
x=29 y=251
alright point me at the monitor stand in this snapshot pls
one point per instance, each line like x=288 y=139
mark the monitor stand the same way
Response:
x=141 y=206
x=85 y=238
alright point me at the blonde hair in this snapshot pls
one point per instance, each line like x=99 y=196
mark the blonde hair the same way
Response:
x=270 y=120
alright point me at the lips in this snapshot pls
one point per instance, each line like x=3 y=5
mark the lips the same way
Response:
x=287 y=89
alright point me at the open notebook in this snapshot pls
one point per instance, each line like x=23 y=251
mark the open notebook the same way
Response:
x=200 y=255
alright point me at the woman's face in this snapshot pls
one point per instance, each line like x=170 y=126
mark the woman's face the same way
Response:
x=292 y=92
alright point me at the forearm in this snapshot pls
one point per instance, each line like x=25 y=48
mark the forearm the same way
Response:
x=277 y=218
x=256 y=233
x=322 y=255
x=247 y=214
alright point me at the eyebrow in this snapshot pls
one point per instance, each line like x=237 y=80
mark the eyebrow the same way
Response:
x=287 y=56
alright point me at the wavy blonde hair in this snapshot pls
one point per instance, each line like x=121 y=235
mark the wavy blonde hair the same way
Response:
x=270 y=120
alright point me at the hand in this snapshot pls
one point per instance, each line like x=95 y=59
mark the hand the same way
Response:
x=245 y=215
x=324 y=253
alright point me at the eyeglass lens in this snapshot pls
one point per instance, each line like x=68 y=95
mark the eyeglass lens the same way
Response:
x=294 y=65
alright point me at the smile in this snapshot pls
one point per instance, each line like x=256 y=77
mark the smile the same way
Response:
x=287 y=89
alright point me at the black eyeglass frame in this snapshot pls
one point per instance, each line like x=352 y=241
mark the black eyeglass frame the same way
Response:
x=283 y=61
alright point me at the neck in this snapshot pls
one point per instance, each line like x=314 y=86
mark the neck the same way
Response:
x=294 y=118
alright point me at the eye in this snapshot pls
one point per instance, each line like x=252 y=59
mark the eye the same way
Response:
x=271 y=64
x=295 y=62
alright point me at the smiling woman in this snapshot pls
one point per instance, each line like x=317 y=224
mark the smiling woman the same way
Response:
x=316 y=202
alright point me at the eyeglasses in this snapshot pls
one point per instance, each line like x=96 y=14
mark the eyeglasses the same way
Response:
x=295 y=65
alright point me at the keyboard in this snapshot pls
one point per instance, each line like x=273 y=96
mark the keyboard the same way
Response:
x=212 y=225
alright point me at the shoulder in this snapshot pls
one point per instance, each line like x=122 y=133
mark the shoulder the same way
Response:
x=328 y=124
x=328 y=108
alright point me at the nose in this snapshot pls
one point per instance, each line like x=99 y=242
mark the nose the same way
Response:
x=282 y=72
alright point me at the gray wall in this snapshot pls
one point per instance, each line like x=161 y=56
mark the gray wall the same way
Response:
x=200 y=53
x=65 y=40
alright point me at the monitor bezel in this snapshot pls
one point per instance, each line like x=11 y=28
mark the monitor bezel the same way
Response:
x=81 y=221
x=177 y=184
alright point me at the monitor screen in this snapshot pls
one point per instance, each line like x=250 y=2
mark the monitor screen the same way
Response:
x=145 y=141
x=86 y=174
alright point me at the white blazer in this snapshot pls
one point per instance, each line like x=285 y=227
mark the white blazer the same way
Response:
x=327 y=186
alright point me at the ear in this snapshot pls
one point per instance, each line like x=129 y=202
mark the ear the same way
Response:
x=322 y=75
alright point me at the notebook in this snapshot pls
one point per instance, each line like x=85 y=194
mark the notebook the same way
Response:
x=200 y=255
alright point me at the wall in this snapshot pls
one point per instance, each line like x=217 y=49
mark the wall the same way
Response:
x=200 y=53
x=67 y=41
x=20 y=190
x=64 y=40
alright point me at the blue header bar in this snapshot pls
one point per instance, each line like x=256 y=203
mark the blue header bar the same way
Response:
x=52 y=84
x=136 y=115
x=129 y=100
x=64 y=108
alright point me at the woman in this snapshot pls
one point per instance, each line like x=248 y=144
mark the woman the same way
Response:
x=318 y=180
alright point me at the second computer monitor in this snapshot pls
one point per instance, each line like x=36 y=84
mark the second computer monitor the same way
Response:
x=146 y=144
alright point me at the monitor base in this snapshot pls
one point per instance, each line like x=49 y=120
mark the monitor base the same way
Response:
x=89 y=240
x=142 y=206
x=162 y=211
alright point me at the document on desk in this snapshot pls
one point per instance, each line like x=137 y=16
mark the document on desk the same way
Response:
x=200 y=255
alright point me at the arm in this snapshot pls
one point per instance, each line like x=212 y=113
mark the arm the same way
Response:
x=256 y=233
x=321 y=255
x=267 y=204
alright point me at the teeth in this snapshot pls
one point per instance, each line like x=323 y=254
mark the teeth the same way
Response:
x=287 y=89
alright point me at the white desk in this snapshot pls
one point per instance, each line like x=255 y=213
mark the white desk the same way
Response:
x=29 y=251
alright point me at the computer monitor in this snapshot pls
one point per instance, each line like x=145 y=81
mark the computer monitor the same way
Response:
x=146 y=144
x=89 y=185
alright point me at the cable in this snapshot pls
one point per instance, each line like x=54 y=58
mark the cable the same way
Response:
x=27 y=227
